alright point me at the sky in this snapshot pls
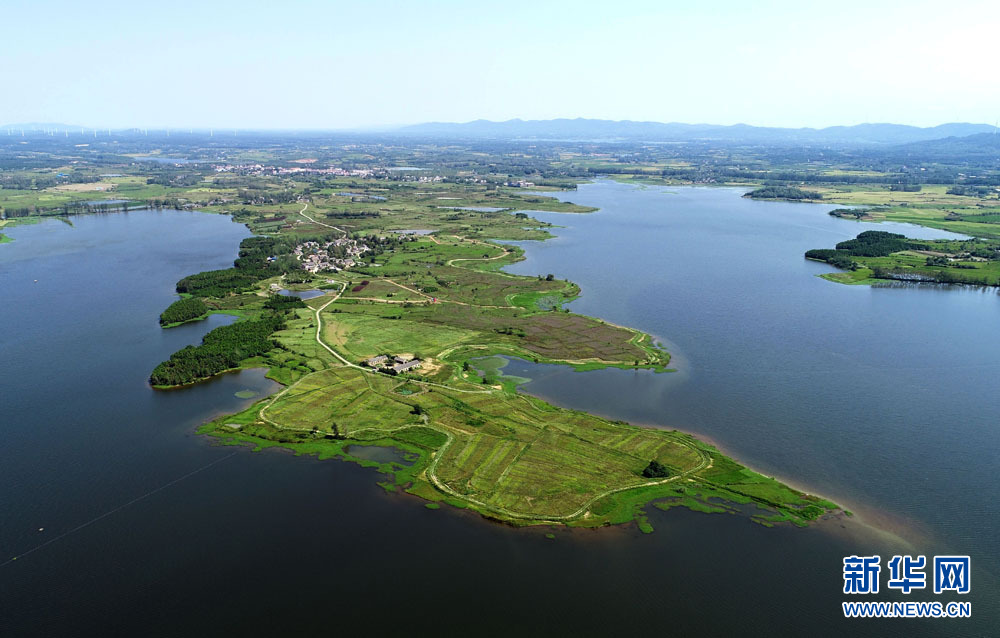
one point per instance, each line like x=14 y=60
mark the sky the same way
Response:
x=299 y=64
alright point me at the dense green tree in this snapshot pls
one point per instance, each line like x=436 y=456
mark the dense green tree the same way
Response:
x=655 y=469
x=782 y=192
x=221 y=349
x=283 y=302
x=183 y=310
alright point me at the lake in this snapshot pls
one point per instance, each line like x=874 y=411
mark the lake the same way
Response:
x=152 y=529
x=880 y=398
x=301 y=294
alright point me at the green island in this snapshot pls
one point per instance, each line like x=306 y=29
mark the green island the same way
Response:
x=183 y=310
x=877 y=256
x=789 y=193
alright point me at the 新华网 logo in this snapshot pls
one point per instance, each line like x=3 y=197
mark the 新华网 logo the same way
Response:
x=907 y=573
x=951 y=573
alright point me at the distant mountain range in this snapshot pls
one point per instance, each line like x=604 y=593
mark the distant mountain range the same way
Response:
x=582 y=129
x=969 y=146
x=589 y=129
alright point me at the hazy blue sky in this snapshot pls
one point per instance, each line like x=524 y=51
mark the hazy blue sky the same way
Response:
x=301 y=64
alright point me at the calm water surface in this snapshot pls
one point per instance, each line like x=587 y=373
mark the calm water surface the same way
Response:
x=150 y=529
x=881 y=398
x=302 y=294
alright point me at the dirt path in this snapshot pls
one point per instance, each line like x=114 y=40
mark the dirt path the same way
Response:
x=706 y=462
x=430 y=472
x=706 y=459
x=451 y=262
x=319 y=340
x=303 y=214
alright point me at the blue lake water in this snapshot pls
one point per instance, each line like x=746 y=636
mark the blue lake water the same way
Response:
x=378 y=197
x=413 y=232
x=302 y=294
x=149 y=528
x=881 y=398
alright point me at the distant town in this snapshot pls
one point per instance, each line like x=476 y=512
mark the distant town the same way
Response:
x=260 y=170
x=332 y=256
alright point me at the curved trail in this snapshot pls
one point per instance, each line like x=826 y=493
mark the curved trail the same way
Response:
x=706 y=462
x=706 y=459
x=430 y=472
x=319 y=339
x=303 y=214
x=506 y=251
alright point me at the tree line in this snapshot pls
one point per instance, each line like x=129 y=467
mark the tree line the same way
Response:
x=782 y=192
x=221 y=349
x=250 y=266
x=877 y=243
x=183 y=310
x=871 y=243
x=283 y=302
x=69 y=208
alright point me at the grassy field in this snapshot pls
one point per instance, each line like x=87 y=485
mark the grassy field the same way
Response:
x=932 y=206
x=469 y=438
x=374 y=207
x=53 y=199
x=508 y=456
x=476 y=442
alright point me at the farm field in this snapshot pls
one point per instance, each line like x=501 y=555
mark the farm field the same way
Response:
x=441 y=299
x=508 y=456
x=428 y=285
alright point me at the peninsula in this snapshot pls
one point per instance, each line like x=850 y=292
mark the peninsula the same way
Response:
x=880 y=256
x=400 y=352
x=404 y=244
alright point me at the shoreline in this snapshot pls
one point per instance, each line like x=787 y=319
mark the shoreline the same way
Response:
x=895 y=527
x=864 y=514
x=628 y=496
x=637 y=334
x=170 y=388
x=857 y=514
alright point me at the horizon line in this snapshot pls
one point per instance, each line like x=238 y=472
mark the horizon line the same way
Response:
x=386 y=128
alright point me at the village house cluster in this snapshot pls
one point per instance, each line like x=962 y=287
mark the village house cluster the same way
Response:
x=261 y=169
x=316 y=257
x=423 y=179
x=395 y=365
